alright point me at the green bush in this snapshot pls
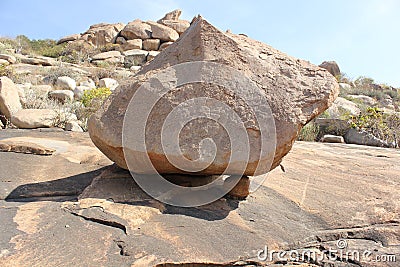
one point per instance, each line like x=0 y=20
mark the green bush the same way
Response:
x=97 y=94
x=309 y=132
x=382 y=125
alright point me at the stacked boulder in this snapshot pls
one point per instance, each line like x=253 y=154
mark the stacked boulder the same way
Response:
x=134 y=43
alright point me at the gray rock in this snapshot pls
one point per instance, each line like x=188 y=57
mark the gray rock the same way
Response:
x=79 y=91
x=109 y=83
x=367 y=100
x=343 y=107
x=73 y=126
x=65 y=83
x=152 y=55
x=345 y=86
x=354 y=136
x=88 y=83
x=42 y=89
x=62 y=95
x=328 y=138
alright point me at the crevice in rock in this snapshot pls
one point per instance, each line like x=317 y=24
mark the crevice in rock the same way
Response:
x=109 y=223
x=122 y=248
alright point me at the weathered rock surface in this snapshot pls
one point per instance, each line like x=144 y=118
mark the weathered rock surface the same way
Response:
x=354 y=136
x=34 y=118
x=11 y=59
x=367 y=100
x=135 y=57
x=9 y=97
x=296 y=91
x=132 y=44
x=25 y=147
x=73 y=203
x=151 y=44
x=102 y=33
x=69 y=38
x=178 y=25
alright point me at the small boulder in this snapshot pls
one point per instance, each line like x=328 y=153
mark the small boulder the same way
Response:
x=79 y=91
x=34 y=118
x=354 y=136
x=65 y=83
x=107 y=55
x=73 y=126
x=69 y=38
x=9 y=97
x=178 y=25
x=135 y=57
x=88 y=83
x=62 y=96
x=151 y=44
x=367 y=100
x=328 y=138
x=163 y=32
x=332 y=67
x=42 y=89
x=109 y=83
x=342 y=106
x=344 y=86
x=132 y=44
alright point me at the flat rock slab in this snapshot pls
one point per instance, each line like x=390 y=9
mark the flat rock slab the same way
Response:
x=328 y=192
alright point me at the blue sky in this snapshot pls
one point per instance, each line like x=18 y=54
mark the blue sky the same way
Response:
x=363 y=36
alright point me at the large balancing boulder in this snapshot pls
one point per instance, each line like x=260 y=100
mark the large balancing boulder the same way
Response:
x=198 y=93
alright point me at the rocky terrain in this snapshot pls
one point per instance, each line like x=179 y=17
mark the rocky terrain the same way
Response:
x=68 y=199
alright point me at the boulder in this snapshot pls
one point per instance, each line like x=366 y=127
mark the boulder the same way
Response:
x=329 y=138
x=165 y=45
x=178 y=25
x=296 y=91
x=34 y=118
x=367 y=100
x=132 y=44
x=163 y=32
x=88 y=83
x=136 y=29
x=173 y=15
x=332 y=67
x=69 y=38
x=354 y=136
x=73 y=126
x=152 y=55
x=107 y=55
x=345 y=86
x=102 y=33
x=342 y=106
x=151 y=44
x=135 y=57
x=62 y=96
x=120 y=40
x=9 y=58
x=109 y=83
x=9 y=97
x=66 y=83
x=37 y=60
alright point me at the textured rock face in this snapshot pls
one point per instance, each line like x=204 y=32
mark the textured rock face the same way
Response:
x=34 y=118
x=102 y=33
x=136 y=29
x=9 y=98
x=296 y=91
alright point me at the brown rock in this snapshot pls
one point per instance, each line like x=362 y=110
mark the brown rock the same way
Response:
x=25 y=147
x=332 y=67
x=151 y=44
x=296 y=91
x=34 y=118
x=9 y=97
x=132 y=44
x=165 y=45
x=69 y=38
x=102 y=33
x=240 y=190
x=173 y=15
x=163 y=32
x=136 y=29
x=178 y=25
